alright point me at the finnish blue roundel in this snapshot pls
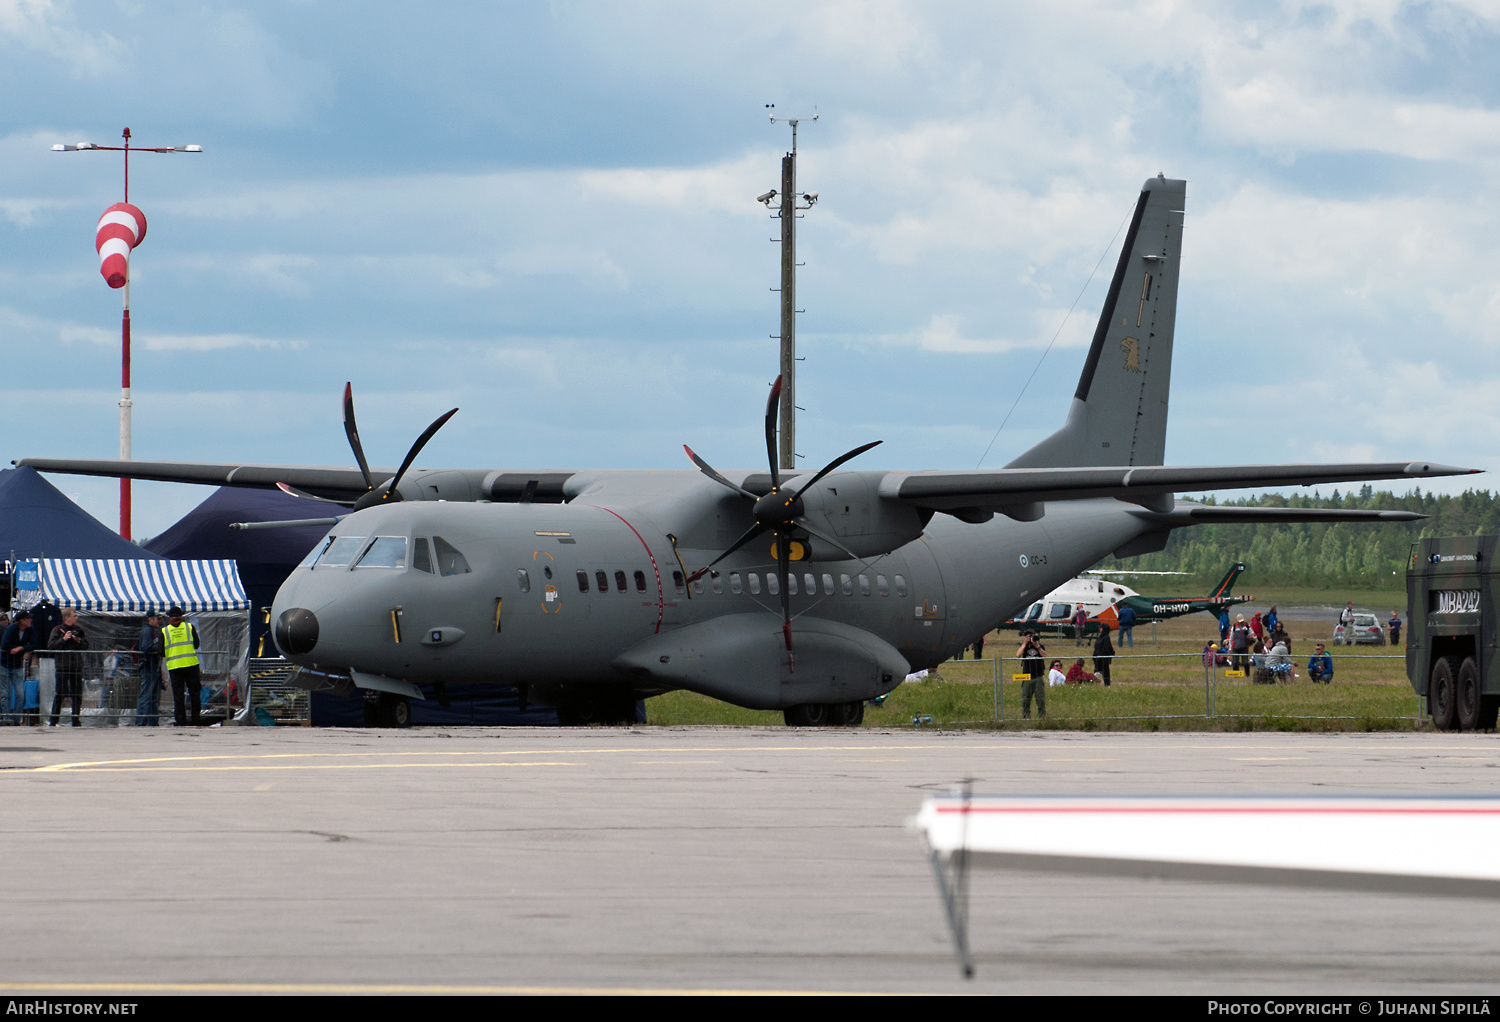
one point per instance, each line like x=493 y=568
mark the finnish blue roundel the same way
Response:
x=1025 y=562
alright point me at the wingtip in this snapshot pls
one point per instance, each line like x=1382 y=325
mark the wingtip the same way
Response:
x=1427 y=468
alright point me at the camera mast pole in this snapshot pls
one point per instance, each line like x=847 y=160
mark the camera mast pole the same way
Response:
x=787 y=214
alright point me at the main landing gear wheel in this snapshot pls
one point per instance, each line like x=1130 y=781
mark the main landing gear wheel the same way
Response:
x=395 y=711
x=846 y=714
x=1442 y=694
x=807 y=715
x=596 y=707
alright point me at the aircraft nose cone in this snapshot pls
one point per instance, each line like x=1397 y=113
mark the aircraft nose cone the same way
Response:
x=296 y=631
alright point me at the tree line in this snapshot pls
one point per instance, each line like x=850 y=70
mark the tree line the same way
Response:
x=1316 y=554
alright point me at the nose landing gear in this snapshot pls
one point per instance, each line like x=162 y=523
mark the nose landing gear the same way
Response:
x=386 y=709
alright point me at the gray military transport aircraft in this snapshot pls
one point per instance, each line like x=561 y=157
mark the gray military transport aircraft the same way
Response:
x=803 y=592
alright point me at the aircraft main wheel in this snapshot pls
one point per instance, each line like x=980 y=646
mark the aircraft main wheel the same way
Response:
x=395 y=711
x=1442 y=695
x=596 y=707
x=807 y=715
x=1468 y=702
x=846 y=714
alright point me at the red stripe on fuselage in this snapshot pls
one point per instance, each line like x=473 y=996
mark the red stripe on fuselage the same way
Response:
x=660 y=599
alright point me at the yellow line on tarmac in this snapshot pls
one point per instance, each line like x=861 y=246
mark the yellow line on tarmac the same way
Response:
x=402 y=988
x=1025 y=745
x=85 y=769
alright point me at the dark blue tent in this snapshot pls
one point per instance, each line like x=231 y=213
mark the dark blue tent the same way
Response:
x=265 y=556
x=37 y=520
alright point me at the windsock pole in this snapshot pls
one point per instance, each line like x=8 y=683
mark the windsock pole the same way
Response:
x=121 y=229
x=125 y=405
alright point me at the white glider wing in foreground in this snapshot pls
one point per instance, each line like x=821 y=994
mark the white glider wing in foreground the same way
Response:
x=1390 y=845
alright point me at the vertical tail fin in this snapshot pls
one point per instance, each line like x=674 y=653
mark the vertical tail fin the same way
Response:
x=1226 y=583
x=1119 y=411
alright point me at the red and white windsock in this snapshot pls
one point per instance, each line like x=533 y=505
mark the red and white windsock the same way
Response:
x=121 y=228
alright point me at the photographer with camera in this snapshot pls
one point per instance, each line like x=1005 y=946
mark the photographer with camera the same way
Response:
x=69 y=638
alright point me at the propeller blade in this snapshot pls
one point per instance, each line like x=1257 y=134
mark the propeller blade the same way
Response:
x=835 y=463
x=292 y=491
x=352 y=432
x=801 y=523
x=772 y=403
x=708 y=470
x=755 y=530
x=388 y=491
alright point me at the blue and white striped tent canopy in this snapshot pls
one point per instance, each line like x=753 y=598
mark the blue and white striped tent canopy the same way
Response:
x=195 y=586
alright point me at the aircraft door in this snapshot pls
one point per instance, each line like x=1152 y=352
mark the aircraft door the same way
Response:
x=927 y=597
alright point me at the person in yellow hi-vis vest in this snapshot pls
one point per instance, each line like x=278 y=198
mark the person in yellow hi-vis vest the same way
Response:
x=180 y=640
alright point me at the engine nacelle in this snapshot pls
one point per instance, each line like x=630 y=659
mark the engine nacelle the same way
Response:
x=846 y=506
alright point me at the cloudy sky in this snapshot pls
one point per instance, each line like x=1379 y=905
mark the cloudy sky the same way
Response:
x=544 y=214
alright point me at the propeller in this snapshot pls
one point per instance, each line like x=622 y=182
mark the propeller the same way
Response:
x=386 y=491
x=780 y=512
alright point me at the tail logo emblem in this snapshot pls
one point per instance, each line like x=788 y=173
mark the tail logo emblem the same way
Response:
x=1132 y=349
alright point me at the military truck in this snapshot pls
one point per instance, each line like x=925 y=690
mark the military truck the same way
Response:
x=1451 y=630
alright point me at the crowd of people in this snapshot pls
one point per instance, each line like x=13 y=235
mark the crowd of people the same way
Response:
x=1259 y=643
x=172 y=645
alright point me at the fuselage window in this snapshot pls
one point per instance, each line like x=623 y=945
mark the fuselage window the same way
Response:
x=718 y=584
x=677 y=582
x=698 y=586
x=640 y=581
x=385 y=552
x=603 y=581
x=583 y=581
x=864 y=585
x=734 y=583
x=882 y=586
x=791 y=584
x=450 y=561
x=900 y=585
x=315 y=552
x=523 y=580
x=1035 y=612
x=754 y=584
x=828 y=584
x=846 y=584
x=773 y=584
x=1060 y=611
x=620 y=582
x=341 y=551
x=810 y=584
x=421 y=556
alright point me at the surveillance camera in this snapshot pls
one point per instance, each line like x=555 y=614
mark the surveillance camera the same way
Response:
x=811 y=197
x=766 y=197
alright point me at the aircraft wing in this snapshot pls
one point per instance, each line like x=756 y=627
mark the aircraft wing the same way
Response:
x=331 y=482
x=1148 y=485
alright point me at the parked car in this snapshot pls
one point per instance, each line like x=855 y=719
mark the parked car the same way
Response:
x=1367 y=632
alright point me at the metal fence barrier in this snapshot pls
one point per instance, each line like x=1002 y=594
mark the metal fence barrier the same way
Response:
x=109 y=685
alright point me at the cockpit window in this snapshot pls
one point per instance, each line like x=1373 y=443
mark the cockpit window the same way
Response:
x=315 y=552
x=341 y=551
x=385 y=552
x=421 y=556
x=450 y=561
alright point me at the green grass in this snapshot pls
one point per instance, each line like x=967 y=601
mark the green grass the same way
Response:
x=1151 y=692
